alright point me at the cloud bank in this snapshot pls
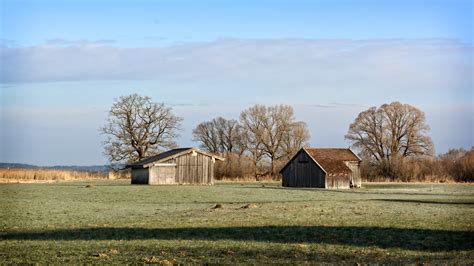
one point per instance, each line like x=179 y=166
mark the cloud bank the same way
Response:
x=434 y=64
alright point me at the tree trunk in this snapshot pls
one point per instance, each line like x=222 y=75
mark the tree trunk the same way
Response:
x=255 y=165
x=272 y=172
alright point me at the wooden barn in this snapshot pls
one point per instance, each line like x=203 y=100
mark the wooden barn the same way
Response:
x=177 y=166
x=323 y=168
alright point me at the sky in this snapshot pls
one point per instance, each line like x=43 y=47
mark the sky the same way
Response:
x=64 y=63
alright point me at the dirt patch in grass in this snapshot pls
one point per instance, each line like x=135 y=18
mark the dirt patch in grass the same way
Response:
x=100 y=255
x=250 y=206
x=218 y=206
x=105 y=253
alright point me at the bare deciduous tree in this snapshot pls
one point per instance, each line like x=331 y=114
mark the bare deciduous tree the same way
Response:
x=208 y=135
x=137 y=128
x=273 y=131
x=224 y=137
x=296 y=138
x=219 y=135
x=263 y=133
x=277 y=123
x=229 y=134
x=390 y=133
x=252 y=126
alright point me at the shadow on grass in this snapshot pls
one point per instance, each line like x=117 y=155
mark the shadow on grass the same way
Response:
x=427 y=201
x=409 y=239
x=323 y=200
x=356 y=191
x=255 y=201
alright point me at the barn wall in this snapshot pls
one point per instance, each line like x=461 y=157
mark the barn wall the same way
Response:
x=140 y=175
x=303 y=172
x=338 y=182
x=355 y=168
x=210 y=167
x=162 y=175
x=190 y=169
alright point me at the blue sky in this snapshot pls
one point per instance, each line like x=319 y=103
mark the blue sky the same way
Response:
x=64 y=62
x=151 y=23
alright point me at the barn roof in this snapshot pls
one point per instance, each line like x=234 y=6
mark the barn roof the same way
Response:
x=168 y=155
x=331 y=160
x=332 y=154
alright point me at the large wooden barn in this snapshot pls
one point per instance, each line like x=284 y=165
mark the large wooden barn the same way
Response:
x=323 y=168
x=177 y=166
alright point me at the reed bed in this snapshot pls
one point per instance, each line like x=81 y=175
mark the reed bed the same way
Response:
x=32 y=175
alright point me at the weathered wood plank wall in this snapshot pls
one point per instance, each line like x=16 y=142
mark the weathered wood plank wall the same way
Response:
x=162 y=174
x=355 y=168
x=191 y=169
x=337 y=182
x=303 y=172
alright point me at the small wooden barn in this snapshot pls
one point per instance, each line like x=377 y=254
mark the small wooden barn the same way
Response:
x=177 y=166
x=323 y=168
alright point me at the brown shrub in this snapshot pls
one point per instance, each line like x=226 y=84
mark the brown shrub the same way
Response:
x=237 y=167
x=241 y=168
x=457 y=165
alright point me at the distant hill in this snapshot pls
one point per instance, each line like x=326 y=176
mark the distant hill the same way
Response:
x=92 y=168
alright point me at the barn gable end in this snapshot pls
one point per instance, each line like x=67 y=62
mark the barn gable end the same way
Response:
x=303 y=171
x=327 y=168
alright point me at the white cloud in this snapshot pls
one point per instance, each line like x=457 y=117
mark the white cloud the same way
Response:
x=345 y=65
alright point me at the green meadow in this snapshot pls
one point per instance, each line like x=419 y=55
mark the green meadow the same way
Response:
x=115 y=222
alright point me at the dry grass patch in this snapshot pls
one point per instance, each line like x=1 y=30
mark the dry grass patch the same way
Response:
x=18 y=175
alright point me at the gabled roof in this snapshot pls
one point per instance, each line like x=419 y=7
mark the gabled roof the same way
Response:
x=169 y=155
x=330 y=160
x=332 y=154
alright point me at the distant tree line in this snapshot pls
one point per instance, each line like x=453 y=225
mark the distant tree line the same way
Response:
x=392 y=140
x=264 y=138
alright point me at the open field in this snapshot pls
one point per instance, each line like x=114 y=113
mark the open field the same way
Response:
x=112 y=221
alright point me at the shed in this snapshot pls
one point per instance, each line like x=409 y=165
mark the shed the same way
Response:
x=330 y=168
x=177 y=166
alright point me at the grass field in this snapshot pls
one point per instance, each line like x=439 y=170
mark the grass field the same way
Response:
x=114 y=222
